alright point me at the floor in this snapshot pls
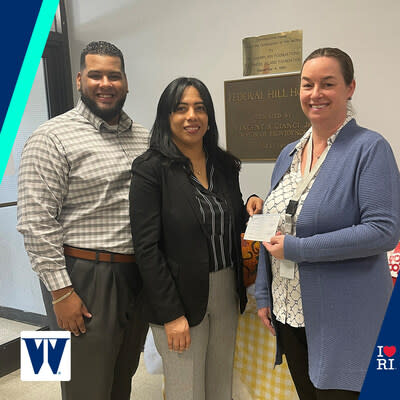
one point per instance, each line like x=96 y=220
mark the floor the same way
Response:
x=144 y=387
x=9 y=330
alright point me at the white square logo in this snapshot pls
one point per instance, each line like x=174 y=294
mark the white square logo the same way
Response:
x=45 y=356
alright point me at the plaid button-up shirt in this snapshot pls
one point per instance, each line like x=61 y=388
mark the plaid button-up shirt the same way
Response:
x=73 y=189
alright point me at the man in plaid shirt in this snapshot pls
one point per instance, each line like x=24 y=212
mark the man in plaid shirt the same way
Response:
x=73 y=211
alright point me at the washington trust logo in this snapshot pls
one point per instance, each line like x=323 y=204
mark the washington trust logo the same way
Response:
x=384 y=358
x=45 y=356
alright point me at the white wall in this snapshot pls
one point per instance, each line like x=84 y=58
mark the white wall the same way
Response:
x=162 y=40
x=19 y=285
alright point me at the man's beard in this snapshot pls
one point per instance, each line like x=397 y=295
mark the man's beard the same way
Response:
x=105 y=114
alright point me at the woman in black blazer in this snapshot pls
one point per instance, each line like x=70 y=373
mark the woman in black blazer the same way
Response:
x=187 y=213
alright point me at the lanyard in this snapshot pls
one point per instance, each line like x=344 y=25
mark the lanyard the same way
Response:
x=302 y=185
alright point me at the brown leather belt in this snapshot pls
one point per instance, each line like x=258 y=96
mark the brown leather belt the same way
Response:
x=93 y=255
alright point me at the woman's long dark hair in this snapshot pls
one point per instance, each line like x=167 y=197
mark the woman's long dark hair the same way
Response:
x=161 y=135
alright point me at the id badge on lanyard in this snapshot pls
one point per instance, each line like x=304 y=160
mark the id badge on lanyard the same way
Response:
x=286 y=267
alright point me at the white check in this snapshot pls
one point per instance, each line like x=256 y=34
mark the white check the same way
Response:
x=261 y=227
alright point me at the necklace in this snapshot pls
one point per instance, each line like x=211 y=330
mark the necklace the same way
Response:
x=316 y=155
x=197 y=170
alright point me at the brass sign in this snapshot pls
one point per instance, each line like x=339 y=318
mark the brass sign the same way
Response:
x=271 y=54
x=263 y=115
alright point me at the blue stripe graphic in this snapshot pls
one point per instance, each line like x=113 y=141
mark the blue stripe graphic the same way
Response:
x=20 y=22
x=383 y=377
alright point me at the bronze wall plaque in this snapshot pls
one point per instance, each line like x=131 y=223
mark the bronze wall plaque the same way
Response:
x=263 y=115
x=274 y=53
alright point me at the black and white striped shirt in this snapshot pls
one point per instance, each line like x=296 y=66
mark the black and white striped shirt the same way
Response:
x=217 y=220
x=73 y=189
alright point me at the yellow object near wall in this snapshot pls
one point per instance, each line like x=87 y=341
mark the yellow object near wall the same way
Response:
x=255 y=378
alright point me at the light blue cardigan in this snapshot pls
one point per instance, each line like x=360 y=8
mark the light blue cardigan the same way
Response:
x=350 y=219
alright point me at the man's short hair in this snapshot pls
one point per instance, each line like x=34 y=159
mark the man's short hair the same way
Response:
x=104 y=49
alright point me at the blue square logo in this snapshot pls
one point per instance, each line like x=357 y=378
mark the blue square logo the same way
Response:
x=45 y=356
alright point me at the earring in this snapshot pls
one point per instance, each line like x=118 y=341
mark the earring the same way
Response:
x=208 y=127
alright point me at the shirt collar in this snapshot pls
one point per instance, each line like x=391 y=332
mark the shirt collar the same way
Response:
x=304 y=139
x=124 y=123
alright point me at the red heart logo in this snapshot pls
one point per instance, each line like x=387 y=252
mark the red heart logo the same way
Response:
x=389 y=350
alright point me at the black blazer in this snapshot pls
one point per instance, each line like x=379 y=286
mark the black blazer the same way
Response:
x=169 y=239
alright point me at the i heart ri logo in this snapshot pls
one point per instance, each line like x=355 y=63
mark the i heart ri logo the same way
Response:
x=389 y=350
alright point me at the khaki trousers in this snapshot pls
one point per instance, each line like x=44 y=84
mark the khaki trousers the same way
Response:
x=205 y=370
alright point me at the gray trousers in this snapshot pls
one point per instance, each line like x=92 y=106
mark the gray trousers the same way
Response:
x=104 y=359
x=205 y=370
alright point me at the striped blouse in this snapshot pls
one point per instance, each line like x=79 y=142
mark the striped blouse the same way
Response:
x=217 y=221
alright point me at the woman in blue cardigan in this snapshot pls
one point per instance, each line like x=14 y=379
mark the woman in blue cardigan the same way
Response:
x=323 y=281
